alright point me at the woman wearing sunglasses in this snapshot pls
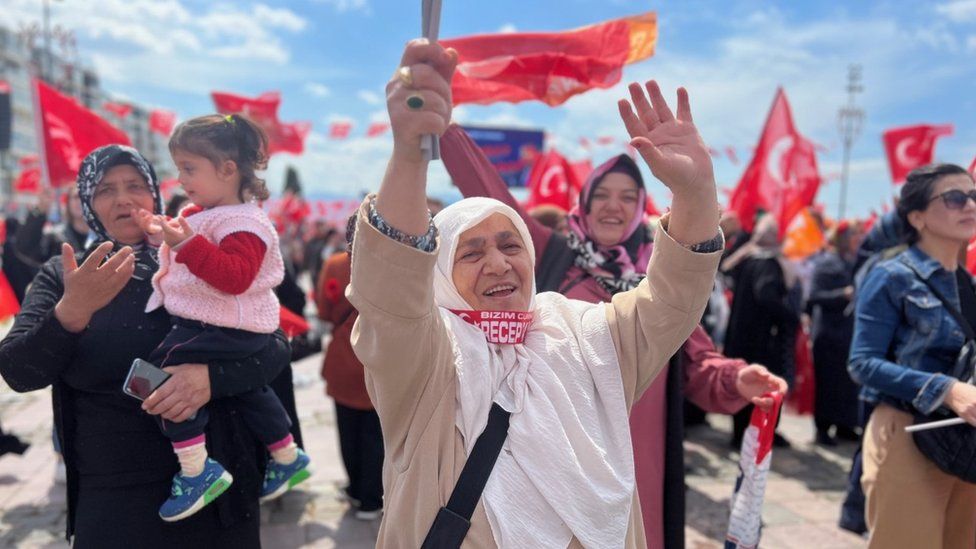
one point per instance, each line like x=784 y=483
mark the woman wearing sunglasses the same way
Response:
x=905 y=344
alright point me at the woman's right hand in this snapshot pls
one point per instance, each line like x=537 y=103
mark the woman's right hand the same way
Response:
x=961 y=399
x=91 y=286
x=425 y=70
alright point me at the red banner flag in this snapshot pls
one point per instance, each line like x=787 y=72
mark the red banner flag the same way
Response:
x=289 y=138
x=377 y=129
x=162 y=122
x=605 y=140
x=8 y=299
x=71 y=132
x=972 y=167
x=340 y=130
x=261 y=108
x=553 y=180
x=118 y=109
x=549 y=66
x=782 y=176
x=910 y=147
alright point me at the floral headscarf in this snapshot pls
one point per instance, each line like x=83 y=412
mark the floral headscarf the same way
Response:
x=93 y=169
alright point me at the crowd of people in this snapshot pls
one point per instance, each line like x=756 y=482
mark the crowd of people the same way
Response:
x=501 y=377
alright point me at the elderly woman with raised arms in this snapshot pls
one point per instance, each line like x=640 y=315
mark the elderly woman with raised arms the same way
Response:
x=456 y=342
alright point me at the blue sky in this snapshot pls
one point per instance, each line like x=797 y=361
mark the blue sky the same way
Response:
x=331 y=59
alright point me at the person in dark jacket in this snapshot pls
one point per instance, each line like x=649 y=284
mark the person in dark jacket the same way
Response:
x=82 y=324
x=765 y=311
x=836 y=405
x=36 y=243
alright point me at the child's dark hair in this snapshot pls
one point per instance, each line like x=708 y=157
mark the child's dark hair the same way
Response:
x=227 y=137
x=916 y=193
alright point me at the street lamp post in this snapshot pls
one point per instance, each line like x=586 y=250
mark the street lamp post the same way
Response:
x=850 y=120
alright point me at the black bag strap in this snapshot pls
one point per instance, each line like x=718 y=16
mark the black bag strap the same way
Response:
x=960 y=320
x=452 y=522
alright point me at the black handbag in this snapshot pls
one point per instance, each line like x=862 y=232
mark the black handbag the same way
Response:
x=952 y=449
x=454 y=519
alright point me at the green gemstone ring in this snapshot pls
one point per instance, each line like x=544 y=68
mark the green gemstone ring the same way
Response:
x=415 y=102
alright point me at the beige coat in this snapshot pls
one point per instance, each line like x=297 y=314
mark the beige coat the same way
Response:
x=401 y=339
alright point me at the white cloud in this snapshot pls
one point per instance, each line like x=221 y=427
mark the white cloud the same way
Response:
x=317 y=90
x=959 y=11
x=343 y=6
x=971 y=43
x=370 y=97
x=282 y=18
x=507 y=28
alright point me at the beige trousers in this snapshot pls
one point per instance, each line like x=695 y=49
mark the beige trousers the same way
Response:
x=912 y=504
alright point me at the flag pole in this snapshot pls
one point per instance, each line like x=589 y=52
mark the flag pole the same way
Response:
x=430 y=22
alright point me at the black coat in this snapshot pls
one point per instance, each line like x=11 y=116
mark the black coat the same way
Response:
x=764 y=317
x=832 y=331
x=110 y=445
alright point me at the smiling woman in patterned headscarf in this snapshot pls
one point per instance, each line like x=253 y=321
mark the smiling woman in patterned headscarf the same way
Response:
x=82 y=324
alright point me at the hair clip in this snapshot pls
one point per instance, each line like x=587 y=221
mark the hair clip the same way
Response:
x=229 y=118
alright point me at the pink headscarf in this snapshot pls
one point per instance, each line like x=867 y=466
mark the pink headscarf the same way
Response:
x=621 y=266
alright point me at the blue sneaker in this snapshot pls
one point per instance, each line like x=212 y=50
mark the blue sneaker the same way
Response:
x=281 y=478
x=190 y=494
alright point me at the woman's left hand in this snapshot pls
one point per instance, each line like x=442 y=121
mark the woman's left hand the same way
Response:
x=668 y=142
x=185 y=392
x=754 y=381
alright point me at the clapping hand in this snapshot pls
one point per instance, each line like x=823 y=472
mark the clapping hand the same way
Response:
x=91 y=286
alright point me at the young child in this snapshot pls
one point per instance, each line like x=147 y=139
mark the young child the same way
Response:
x=218 y=266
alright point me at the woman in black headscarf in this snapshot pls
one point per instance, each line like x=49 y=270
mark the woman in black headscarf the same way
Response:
x=82 y=324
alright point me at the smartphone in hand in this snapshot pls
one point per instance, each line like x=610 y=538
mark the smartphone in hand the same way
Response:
x=143 y=379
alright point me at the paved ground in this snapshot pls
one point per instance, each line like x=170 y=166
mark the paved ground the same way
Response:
x=801 y=508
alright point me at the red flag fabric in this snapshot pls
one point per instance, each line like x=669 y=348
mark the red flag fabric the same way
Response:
x=971 y=256
x=377 y=129
x=292 y=324
x=162 y=122
x=910 y=147
x=340 y=130
x=9 y=306
x=70 y=132
x=261 y=108
x=972 y=167
x=29 y=181
x=605 y=140
x=553 y=180
x=549 y=66
x=289 y=138
x=584 y=142
x=782 y=176
x=118 y=109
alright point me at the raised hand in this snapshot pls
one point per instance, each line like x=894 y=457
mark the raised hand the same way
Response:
x=148 y=222
x=425 y=72
x=93 y=285
x=677 y=156
x=669 y=144
x=418 y=98
x=175 y=231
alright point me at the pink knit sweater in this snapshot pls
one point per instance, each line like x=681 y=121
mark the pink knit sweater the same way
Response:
x=186 y=296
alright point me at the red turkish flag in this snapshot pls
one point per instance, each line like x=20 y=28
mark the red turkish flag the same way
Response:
x=972 y=167
x=71 y=132
x=8 y=299
x=549 y=66
x=782 y=176
x=118 y=109
x=377 y=129
x=29 y=181
x=340 y=130
x=289 y=138
x=553 y=180
x=162 y=121
x=910 y=147
x=261 y=109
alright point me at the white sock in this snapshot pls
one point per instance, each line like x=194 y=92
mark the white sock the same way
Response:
x=286 y=454
x=192 y=459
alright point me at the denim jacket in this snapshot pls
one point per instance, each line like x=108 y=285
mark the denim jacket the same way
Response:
x=905 y=341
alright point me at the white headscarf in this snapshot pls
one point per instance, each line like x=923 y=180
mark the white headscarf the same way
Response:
x=566 y=469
